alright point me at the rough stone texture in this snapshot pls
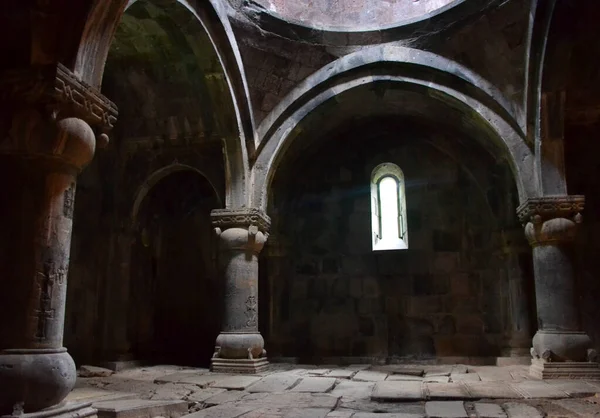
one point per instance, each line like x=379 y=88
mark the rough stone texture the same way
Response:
x=519 y=410
x=440 y=409
x=140 y=408
x=353 y=390
x=332 y=296
x=446 y=391
x=314 y=385
x=93 y=371
x=274 y=383
x=489 y=410
x=397 y=391
x=236 y=382
x=369 y=376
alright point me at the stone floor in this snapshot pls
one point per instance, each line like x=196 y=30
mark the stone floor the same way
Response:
x=357 y=391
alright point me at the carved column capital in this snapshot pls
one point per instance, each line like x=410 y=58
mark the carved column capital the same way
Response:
x=552 y=219
x=241 y=229
x=48 y=112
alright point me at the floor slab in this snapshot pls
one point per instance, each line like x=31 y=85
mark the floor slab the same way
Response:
x=397 y=391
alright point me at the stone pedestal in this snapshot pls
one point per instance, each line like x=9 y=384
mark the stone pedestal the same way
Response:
x=46 y=139
x=551 y=226
x=242 y=234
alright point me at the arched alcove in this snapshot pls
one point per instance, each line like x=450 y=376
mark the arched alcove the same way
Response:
x=165 y=73
x=448 y=294
x=175 y=294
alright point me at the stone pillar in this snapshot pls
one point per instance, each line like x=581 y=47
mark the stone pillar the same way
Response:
x=560 y=348
x=242 y=234
x=46 y=140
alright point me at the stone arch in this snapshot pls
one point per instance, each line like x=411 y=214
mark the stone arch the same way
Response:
x=156 y=177
x=93 y=50
x=408 y=69
x=551 y=36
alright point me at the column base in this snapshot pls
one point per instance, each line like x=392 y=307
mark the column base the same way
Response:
x=542 y=369
x=65 y=410
x=241 y=366
x=39 y=379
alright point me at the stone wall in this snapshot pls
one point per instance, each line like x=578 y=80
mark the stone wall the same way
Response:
x=448 y=295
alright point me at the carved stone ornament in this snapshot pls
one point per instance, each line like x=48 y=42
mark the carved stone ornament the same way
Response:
x=240 y=218
x=59 y=90
x=541 y=209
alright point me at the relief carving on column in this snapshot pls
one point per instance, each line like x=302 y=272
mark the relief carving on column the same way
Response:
x=240 y=218
x=551 y=219
x=241 y=228
x=36 y=98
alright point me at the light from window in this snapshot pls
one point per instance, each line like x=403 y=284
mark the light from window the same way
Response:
x=388 y=208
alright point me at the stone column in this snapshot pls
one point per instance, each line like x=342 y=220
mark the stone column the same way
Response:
x=242 y=234
x=560 y=348
x=45 y=141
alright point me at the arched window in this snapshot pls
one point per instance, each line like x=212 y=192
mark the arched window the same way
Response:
x=388 y=208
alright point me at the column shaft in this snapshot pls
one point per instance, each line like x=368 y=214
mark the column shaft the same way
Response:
x=551 y=225
x=242 y=235
x=46 y=141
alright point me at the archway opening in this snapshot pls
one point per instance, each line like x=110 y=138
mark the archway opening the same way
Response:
x=175 y=294
x=175 y=108
x=458 y=290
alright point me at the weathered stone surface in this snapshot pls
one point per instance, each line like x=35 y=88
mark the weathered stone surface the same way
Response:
x=341 y=373
x=340 y=414
x=436 y=379
x=97 y=395
x=353 y=390
x=318 y=372
x=574 y=388
x=492 y=374
x=465 y=377
x=236 y=382
x=489 y=410
x=399 y=369
x=93 y=371
x=203 y=380
x=538 y=389
x=274 y=383
x=297 y=399
x=314 y=385
x=521 y=410
x=580 y=407
x=226 y=397
x=405 y=377
x=397 y=391
x=306 y=412
x=140 y=408
x=491 y=390
x=448 y=409
x=387 y=415
x=204 y=394
x=369 y=376
x=442 y=391
x=221 y=411
x=173 y=391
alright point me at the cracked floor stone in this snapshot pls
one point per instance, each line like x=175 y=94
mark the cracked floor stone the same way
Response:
x=358 y=391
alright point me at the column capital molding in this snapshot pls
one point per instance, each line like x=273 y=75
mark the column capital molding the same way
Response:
x=240 y=218
x=59 y=90
x=540 y=209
